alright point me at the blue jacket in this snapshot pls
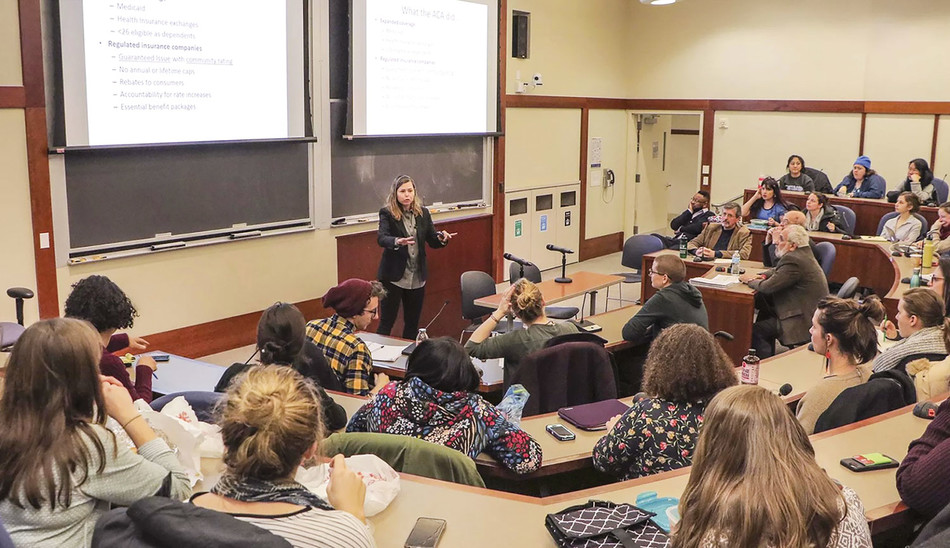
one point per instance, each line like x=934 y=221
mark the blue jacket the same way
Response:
x=873 y=186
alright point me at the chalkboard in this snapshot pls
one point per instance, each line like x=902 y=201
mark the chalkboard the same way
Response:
x=121 y=198
x=445 y=169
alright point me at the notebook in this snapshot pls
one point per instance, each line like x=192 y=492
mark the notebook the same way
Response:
x=592 y=416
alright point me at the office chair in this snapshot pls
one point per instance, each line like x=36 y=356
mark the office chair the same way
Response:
x=533 y=274
x=9 y=331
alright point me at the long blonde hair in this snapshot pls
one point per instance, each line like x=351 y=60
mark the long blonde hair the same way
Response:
x=269 y=418
x=754 y=480
x=392 y=203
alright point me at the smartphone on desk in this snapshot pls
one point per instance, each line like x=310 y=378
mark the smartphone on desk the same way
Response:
x=869 y=461
x=560 y=432
x=426 y=533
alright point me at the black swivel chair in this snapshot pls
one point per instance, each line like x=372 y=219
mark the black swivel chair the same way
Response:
x=9 y=331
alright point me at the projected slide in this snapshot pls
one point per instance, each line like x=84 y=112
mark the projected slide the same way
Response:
x=427 y=67
x=185 y=70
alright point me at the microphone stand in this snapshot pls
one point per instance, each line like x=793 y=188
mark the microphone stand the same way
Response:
x=563 y=279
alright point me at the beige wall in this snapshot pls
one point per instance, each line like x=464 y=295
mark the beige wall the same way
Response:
x=578 y=46
x=10 y=73
x=542 y=147
x=893 y=141
x=605 y=206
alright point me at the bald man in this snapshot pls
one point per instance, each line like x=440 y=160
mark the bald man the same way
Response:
x=768 y=245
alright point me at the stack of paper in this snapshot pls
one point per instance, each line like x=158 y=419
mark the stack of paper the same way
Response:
x=721 y=280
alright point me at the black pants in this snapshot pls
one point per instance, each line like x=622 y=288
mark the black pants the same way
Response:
x=411 y=300
x=764 y=334
x=668 y=241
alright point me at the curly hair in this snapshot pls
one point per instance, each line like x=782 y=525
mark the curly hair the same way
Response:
x=686 y=364
x=99 y=301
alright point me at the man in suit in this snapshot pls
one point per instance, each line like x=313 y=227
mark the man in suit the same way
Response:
x=788 y=294
x=689 y=223
x=723 y=238
x=768 y=244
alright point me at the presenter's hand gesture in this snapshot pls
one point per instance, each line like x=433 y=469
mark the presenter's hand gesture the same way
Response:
x=444 y=236
x=406 y=241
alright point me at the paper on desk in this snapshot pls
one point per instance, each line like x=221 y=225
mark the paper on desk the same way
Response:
x=874 y=239
x=722 y=261
x=385 y=352
x=721 y=280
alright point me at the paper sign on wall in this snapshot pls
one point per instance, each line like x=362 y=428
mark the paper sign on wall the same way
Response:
x=595 y=152
x=517 y=229
x=544 y=223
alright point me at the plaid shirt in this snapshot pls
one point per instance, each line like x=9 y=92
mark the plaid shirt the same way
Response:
x=348 y=355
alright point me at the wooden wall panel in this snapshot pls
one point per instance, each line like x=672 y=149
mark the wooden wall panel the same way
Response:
x=358 y=257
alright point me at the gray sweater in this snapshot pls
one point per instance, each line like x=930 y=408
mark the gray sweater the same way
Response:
x=126 y=478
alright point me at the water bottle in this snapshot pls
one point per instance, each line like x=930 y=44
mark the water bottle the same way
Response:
x=915 y=278
x=928 y=258
x=513 y=403
x=750 y=368
x=734 y=267
x=422 y=336
x=683 y=243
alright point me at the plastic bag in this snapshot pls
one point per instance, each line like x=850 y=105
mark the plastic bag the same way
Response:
x=513 y=403
x=382 y=482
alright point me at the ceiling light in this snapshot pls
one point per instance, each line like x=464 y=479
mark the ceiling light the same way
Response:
x=657 y=2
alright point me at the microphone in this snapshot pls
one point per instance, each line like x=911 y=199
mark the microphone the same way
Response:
x=925 y=410
x=552 y=247
x=785 y=390
x=437 y=314
x=519 y=260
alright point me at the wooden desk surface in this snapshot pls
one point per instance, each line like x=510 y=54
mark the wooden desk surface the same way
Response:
x=612 y=323
x=518 y=520
x=553 y=292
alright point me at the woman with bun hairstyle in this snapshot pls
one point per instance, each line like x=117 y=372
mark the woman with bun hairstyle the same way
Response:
x=755 y=482
x=525 y=300
x=437 y=402
x=844 y=331
x=270 y=423
x=60 y=466
x=404 y=229
x=796 y=179
x=862 y=182
x=820 y=216
x=767 y=202
x=919 y=181
x=924 y=330
x=685 y=368
x=281 y=341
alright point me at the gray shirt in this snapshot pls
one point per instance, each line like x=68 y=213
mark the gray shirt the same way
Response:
x=126 y=478
x=410 y=277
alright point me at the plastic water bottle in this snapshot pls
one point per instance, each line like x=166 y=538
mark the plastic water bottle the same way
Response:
x=513 y=403
x=734 y=267
x=915 y=277
x=750 y=368
x=683 y=243
x=422 y=336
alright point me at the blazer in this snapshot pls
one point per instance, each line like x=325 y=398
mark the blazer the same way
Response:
x=741 y=240
x=394 y=260
x=796 y=284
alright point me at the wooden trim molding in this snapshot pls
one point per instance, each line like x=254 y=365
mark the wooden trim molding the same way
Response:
x=195 y=341
x=933 y=144
x=864 y=121
x=498 y=146
x=601 y=245
x=707 y=137
x=12 y=97
x=582 y=175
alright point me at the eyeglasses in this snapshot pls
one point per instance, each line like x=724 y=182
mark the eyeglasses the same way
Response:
x=933 y=279
x=652 y=272
x=371 y=311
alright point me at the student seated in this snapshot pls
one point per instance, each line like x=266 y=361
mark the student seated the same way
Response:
x=60 y=467
x=525 y=300
x=755 y=482
x=938 y=281
x=821 y=217
x=437 y=402
x=922 y=325
x=355 y=304
x=924 y=473
x=281 y=341
x=940 y=231
x=771 y=237
x=844 y=332
x=788 y=294
x=905 y=227
x=270 y=422
x=919 y=181
x=724 y=238
x=690 y=222
x=767 y=203
x=676 y=301
x=796 y=179
x=862 y=182
x=685 y=368
x=99 y=301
